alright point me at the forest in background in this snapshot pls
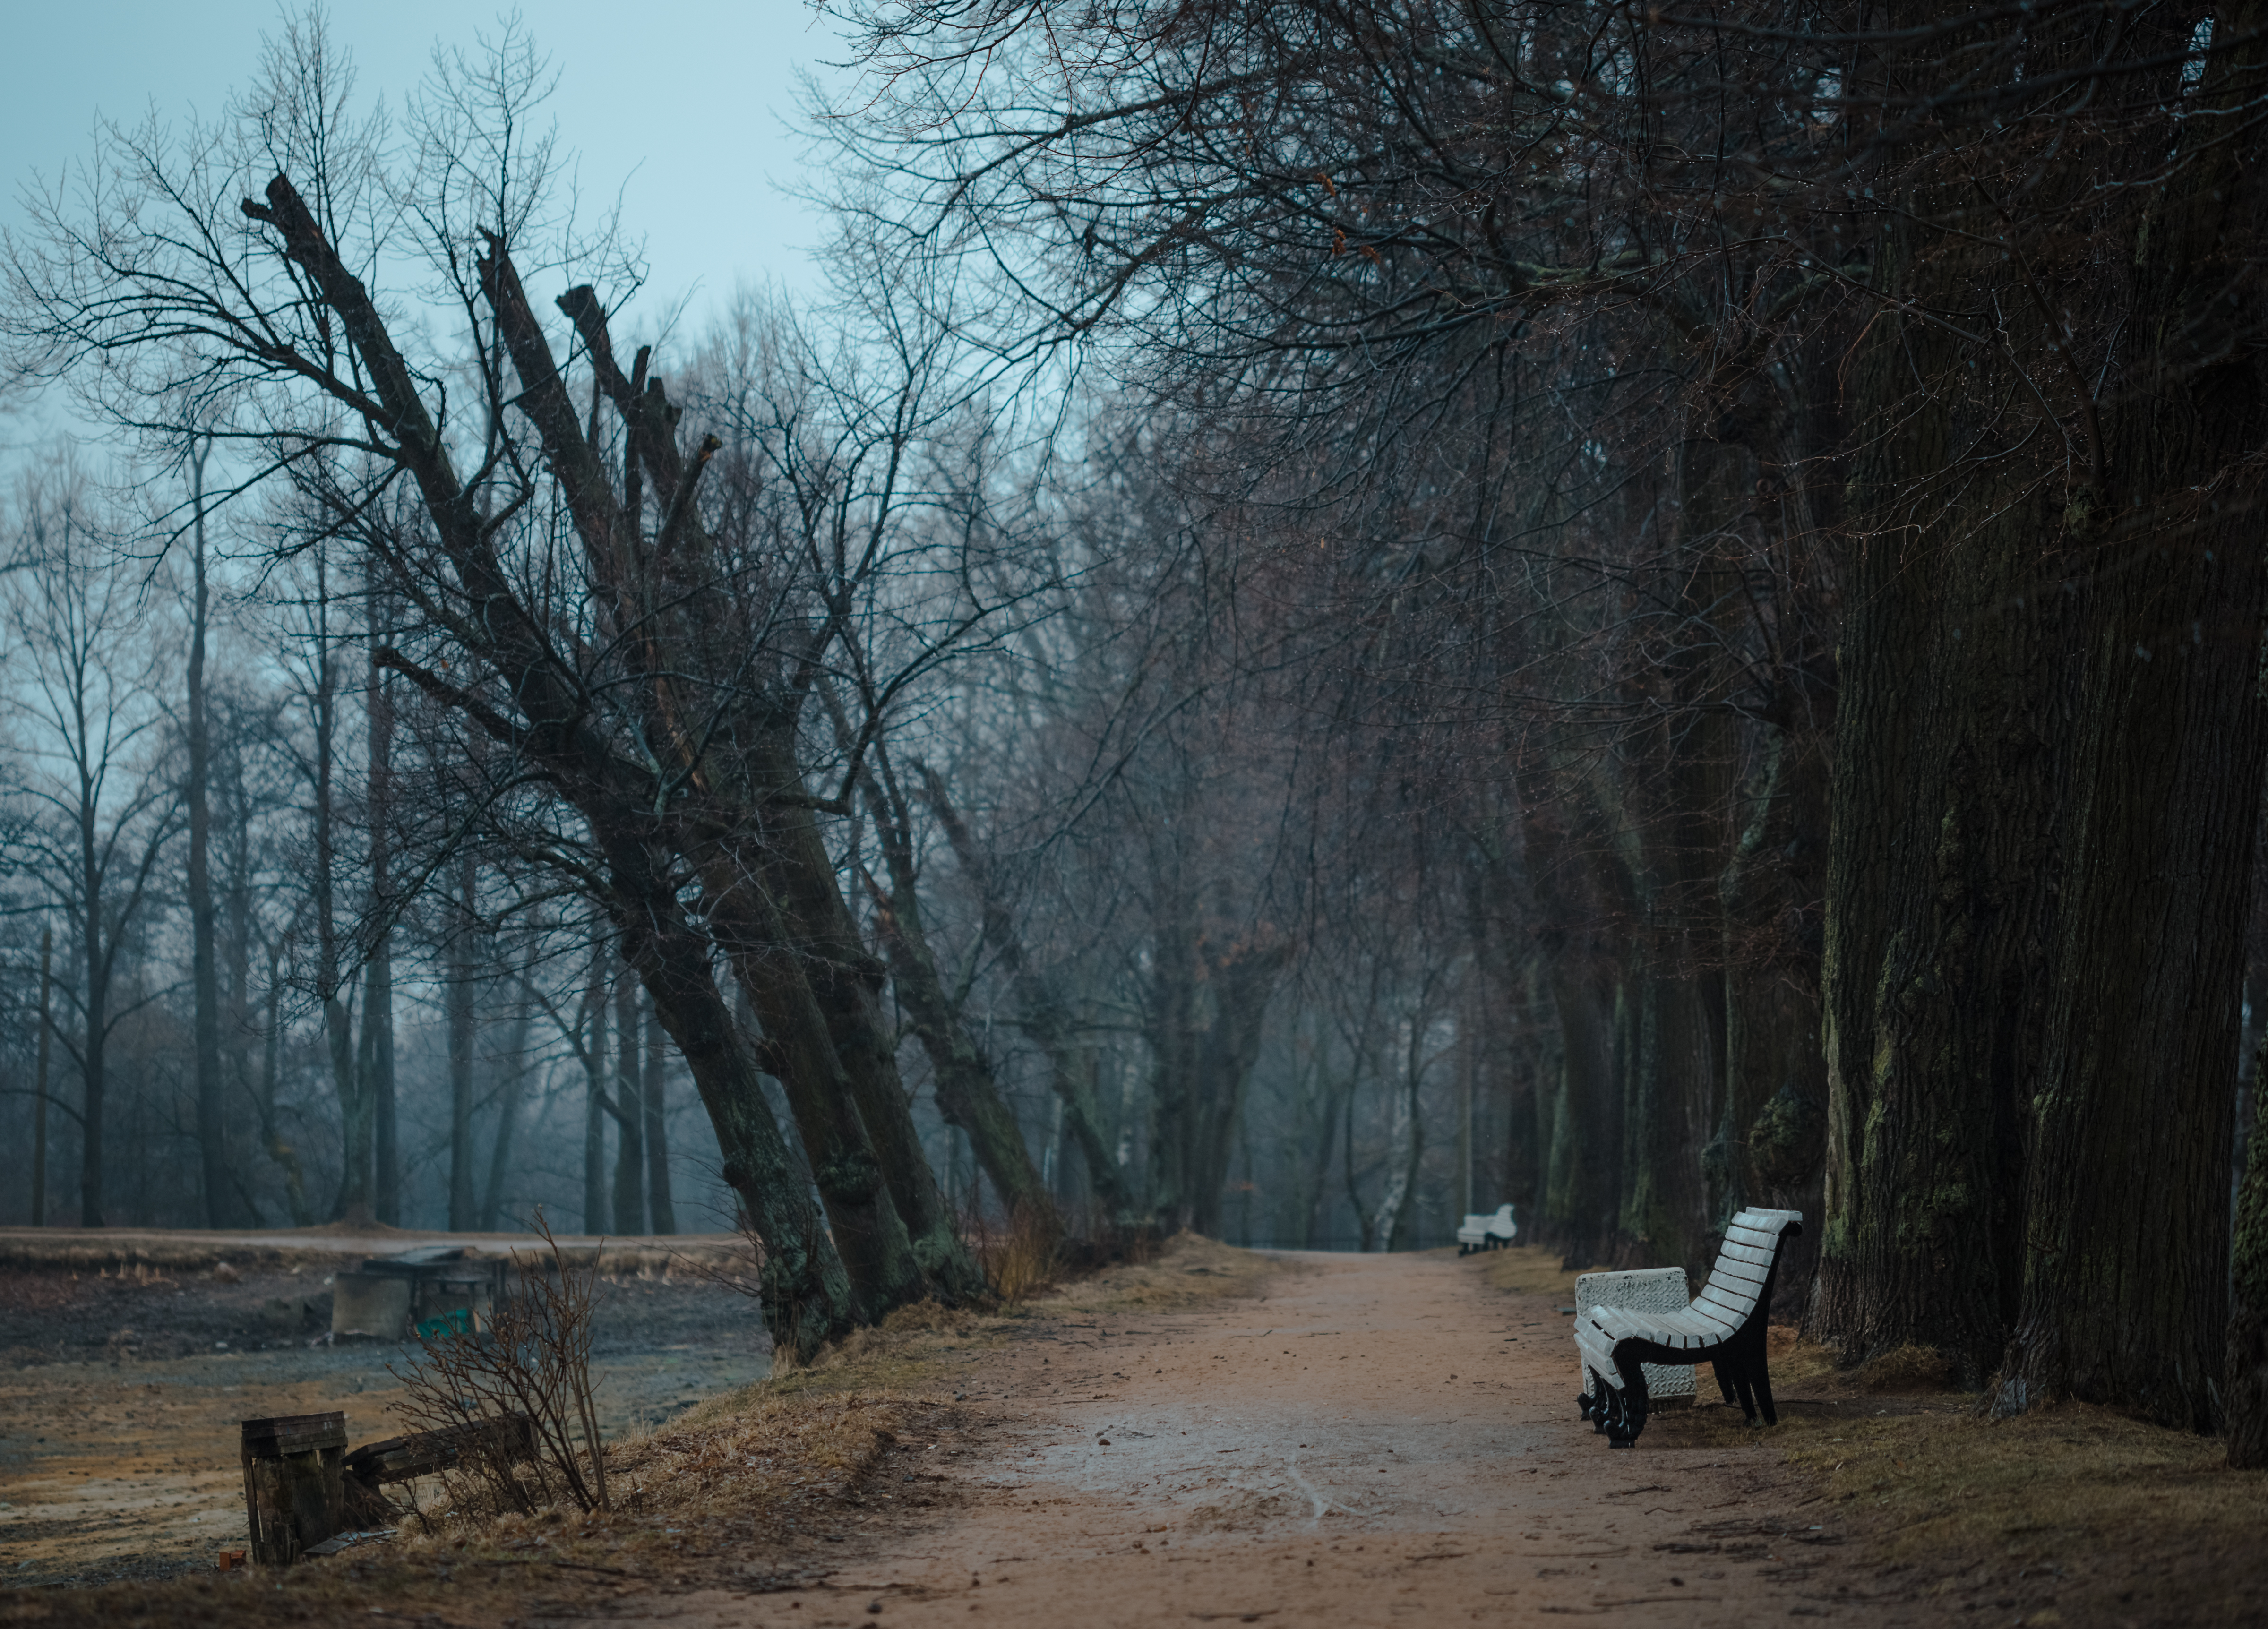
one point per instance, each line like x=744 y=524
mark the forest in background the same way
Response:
x=1345 y=612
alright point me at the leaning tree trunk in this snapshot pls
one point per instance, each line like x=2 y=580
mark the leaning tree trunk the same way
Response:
x=1041 y=1011
x=799 y=1051
x=808 y=1299
x=968 y=1095
x=847 y=982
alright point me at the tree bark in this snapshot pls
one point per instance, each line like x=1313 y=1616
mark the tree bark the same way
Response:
x=1941 y=879
x=846 y=980
x=2245 y=1374
x=2126 y=1219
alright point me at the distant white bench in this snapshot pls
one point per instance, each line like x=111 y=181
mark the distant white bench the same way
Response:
x=1724 y=1325
x=1487 y=1233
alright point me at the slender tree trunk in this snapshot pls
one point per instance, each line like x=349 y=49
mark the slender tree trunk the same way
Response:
x=461 y=1001
x=93 y=943
x=39 y=1079
x=1041 y=1009
x=377 y=1050
x=594 y=1095
x=630 y=1115
x=508 y=1098
x=657 y=1127
x=271 y=1078
x=356 y=1129
x=220 y=1206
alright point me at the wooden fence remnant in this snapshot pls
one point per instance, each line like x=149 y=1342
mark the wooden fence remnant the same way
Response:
x=294 y=1487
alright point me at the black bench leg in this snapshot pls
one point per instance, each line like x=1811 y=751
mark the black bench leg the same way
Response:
x=1733 y=1376
x=1762 y=1383
x=1629 y=1419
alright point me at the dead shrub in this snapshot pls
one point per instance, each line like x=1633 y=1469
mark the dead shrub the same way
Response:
x=1020 y=1259
x=531 y=1364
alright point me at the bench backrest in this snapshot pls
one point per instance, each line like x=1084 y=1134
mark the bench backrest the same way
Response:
x=1743 y=1274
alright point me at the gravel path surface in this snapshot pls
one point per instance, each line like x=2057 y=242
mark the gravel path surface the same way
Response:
x=1378 y=1440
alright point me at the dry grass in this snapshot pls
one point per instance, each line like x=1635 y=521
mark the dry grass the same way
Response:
x=1020 y=1260
x=1188 y=1269
x=2071 y=1509
x=1529 y=1269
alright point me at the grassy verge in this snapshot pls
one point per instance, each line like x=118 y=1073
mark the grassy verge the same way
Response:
x=768 y=1488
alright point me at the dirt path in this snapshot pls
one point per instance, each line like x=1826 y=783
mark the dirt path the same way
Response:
x=1378 y=1440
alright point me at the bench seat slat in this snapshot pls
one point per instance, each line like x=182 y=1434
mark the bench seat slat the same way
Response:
x=1755 y=1238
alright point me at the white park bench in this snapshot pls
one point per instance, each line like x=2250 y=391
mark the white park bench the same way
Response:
x=1724 y=1325
x=1487 y=1233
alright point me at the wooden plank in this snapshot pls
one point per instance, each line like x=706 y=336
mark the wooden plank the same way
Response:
x=1746 y=1252
x=1747 y=1271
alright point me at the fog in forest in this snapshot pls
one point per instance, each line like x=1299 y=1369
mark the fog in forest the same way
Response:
x=1287 y=620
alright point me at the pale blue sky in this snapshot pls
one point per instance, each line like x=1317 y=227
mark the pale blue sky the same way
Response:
x=681 y=107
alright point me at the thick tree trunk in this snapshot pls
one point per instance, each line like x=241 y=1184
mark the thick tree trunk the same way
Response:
x=1206 y=1009
x=847 y=983
x=1942 y=857
x=2244 y=1381
x=1771 y=1144
x=808 y=1296
x=2126 y=1222
x=799 y=1050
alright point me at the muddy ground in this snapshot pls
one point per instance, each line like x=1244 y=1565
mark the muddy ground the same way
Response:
x=122 y=1385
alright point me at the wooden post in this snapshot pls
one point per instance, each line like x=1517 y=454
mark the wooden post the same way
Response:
x=294 y=1489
